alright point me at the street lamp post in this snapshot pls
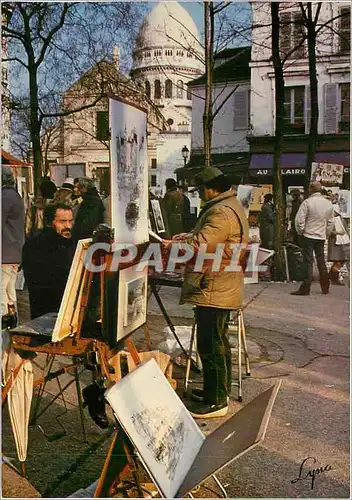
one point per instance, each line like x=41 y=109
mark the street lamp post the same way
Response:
x=185 y=152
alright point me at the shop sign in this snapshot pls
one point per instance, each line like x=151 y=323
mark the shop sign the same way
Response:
x=287 y=171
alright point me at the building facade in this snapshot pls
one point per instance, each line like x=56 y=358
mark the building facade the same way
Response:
x=167 y=57
x=231 y=98
x=333 y=74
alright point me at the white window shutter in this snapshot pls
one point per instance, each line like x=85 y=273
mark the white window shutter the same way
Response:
x=330 y=108
x=307 y=112
x=241 y=109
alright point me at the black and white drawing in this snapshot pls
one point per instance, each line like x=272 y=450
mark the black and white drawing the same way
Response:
x=132 y=300
x=158 y=216
x=135 y=301
x=328 y=174
x=129 y=173
x=158 y=424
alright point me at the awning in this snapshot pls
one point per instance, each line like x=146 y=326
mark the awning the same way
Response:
x=294 y=163
x=234 y=165
x=10 y=160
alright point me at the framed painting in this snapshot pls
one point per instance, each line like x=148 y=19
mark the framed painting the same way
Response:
x=67 y=319
x=157 y=216
x=132 y=300
x=258 y=194
x=329 y=174
x=158 y=424
x=129 y=172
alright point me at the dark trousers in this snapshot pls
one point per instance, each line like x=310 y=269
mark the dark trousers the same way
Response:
x=309 y=248
x=215 y=353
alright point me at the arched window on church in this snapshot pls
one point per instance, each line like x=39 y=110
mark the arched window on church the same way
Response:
x=179 y=89
x=168 y=89
x=157 y=89
x=189 y=93
x=147 y=88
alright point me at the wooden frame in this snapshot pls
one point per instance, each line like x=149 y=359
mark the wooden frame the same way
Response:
x=67 y=319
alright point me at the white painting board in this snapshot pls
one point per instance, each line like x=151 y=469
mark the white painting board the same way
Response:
x=158 y=216
x=328 y=174
x=158 y=424
x=129 y=172
x=67 y=319
x=132 y=300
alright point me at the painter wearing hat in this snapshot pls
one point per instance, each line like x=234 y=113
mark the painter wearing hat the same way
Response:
x=314 y=222
x=212 y=289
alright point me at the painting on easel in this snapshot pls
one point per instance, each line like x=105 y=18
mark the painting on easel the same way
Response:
x=129 y=172
x=132 y=300
x=67 y=319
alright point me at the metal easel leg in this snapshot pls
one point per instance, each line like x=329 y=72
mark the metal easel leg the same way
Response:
x=239 y=356
x=80 y=404
x=189 y=358
x=223 y=491
x=244 y=344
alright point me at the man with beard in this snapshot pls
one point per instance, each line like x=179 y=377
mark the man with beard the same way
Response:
x=47 y=258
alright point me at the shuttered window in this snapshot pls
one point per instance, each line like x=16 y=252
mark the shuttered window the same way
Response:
x=147 y=88
x=153 y=180
x=241 y=109
x=291 y=35
x=102 y=125
x=345 y=29
x=336 y=108
x=179 y=91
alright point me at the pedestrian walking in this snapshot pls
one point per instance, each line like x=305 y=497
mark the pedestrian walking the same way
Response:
x=314 y=222
x=338 y=247
x=215 y=292
x=12 y=217
x=267 y=223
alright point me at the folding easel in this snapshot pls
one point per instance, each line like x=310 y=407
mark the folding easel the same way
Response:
x=242 y=344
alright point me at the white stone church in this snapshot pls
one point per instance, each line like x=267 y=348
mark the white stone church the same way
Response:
x=167 y=56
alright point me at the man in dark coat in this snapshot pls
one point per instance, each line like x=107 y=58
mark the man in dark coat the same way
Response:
x=12 y=208
x=47 y=258
x=267 y=221
x=177 y=208
x=90 y=212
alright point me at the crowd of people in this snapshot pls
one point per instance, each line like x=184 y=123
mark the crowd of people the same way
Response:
x=43 y=242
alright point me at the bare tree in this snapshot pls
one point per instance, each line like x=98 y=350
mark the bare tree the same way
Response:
x=53 y=43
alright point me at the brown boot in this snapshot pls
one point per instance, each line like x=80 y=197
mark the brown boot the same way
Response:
x=334 y=277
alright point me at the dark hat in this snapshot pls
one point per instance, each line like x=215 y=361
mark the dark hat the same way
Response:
x=206 y=175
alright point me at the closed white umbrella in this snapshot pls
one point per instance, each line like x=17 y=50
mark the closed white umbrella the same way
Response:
x=19 y=400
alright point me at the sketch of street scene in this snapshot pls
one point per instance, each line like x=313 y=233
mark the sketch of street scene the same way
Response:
x=129 y=173
x=164 y=434
x=135 y=301
x=344 y=202
x=158 y=424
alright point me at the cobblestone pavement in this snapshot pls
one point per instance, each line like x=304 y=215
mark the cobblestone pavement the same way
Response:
x=302 y=340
